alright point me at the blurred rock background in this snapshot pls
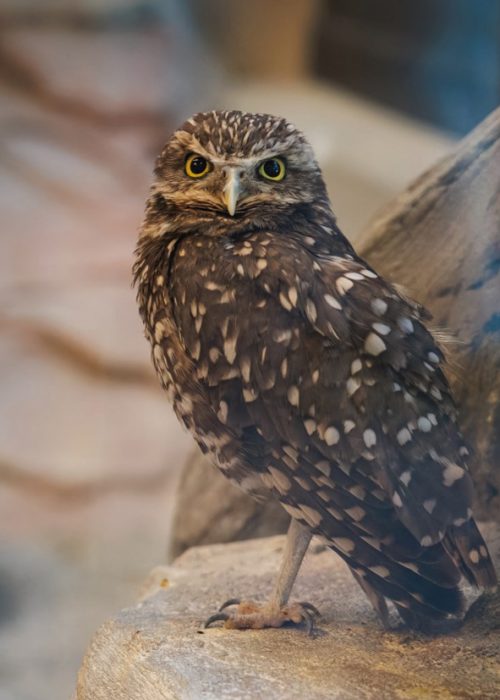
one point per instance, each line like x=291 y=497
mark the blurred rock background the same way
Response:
x=90 y=452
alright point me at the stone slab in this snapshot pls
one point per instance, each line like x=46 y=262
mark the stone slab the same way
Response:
x=155 y=650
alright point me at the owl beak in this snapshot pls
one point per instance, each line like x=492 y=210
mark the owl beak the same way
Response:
x=232 y=188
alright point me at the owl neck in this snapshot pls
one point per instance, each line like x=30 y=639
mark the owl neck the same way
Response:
x=165 y=225
x=164 y=219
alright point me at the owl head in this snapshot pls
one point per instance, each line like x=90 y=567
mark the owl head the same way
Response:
x=227 y=168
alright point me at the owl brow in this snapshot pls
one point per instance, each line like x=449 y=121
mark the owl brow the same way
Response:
x=250 y=161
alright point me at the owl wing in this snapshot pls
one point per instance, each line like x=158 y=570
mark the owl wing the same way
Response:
x=344 y=381
x=360 y=377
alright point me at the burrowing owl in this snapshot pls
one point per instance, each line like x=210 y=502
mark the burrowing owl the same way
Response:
x=303 y=373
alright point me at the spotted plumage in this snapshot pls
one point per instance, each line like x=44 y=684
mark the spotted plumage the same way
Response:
x=298 y=369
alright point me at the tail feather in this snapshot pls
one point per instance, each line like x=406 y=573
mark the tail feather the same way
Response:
x=428 y=603
x=376 y=599
x=472 y=555
x=406 y=588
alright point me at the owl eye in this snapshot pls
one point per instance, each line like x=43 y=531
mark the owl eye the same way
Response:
x=196 y=166
x=272 y=169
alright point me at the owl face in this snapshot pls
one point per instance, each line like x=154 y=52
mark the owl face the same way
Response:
x=232 y=165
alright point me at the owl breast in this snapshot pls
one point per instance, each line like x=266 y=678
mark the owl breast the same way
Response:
x=203 y=306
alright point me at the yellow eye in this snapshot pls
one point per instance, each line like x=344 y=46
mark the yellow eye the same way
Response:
x=272 y=169
x=196 y=166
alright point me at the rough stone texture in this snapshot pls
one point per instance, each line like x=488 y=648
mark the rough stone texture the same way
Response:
x=155 y=651
x=440 y=240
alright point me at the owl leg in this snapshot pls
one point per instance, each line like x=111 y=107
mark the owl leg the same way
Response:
x=277 y=611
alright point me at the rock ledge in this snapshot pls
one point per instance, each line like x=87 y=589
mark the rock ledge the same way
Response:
x=156 y=650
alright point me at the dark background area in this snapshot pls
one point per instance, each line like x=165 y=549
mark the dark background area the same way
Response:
x=437 y=60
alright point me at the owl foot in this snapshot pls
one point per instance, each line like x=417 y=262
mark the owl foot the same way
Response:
x=250 y=615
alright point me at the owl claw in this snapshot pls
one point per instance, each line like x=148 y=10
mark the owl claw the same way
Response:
x=309 y=620
x=251 y=615
x=215 y=618
x=309 y=606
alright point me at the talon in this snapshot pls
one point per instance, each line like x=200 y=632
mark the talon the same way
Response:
x=309 y=620
x=311 y=608
x=215 y=618
x=251 y=615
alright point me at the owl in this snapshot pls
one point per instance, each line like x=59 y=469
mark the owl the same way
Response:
x=302 y=373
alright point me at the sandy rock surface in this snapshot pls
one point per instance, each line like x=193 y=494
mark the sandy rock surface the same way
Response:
x=156 y=650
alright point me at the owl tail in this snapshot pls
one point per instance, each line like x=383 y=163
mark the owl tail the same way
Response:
x=426 y=592
x=467 y=547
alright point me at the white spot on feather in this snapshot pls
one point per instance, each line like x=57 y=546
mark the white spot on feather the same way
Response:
x=249 y=395
x=405 y=477
x=424 y=424
x=196 y=350
x=436 y=393
x=345 y=544
x=311 y=312
x=403 y=436
x=356 y=366
x=311 y=516
x=343 y=285
x=381 y=328
x=379 y=306
x=374 y=345
x=452 y=473
x=369 y=437
x=332 y=435
x=293 y=395
x=285 y=302
x=429 y=505
x=291 y=452
x=294 y=512
x=331 y=301
x=281 y=481
x=406 y=325
x=245 y=369
x=396 y=499
x=352 y=385
x=230 y=349
x=223 y=411
x=356 y=513
x=310 y=426
x=474 y=556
